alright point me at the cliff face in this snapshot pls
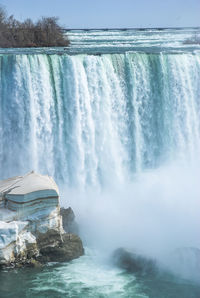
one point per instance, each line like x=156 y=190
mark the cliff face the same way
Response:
x=31 y=228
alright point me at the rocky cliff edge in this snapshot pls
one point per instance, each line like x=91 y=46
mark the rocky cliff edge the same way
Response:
x=31 y=225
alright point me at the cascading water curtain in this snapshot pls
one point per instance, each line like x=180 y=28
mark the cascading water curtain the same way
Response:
x=95 y=120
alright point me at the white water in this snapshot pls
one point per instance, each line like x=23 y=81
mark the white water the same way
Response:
x=97 y=120
x=120 y=133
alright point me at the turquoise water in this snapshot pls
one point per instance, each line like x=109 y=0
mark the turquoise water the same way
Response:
x=115 y=119
x=87 y=277
x=87 y=119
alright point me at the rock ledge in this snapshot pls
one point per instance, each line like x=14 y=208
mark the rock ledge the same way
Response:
x=31 y=226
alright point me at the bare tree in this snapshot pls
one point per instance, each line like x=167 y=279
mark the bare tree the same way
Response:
x=44 y=33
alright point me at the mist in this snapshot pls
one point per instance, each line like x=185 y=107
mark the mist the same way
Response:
x=154 y=215
x=120 y=135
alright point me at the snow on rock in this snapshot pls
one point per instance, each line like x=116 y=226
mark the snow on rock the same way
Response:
x=29 y=212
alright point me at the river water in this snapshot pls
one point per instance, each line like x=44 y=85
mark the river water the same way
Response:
x=115 y=119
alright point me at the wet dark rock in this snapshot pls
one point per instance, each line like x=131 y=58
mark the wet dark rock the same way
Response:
x=56 y=247
x=51 y=246
x=133 y=262
x=68 y=221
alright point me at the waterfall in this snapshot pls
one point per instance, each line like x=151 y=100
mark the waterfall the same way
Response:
x=95 y=120
x=115 y=119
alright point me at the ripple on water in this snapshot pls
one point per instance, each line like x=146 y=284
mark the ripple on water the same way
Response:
x=84 y=277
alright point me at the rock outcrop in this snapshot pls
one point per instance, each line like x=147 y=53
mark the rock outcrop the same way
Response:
x=181 y=263
x=31 y=230
x=68 y=220
x=134 y=262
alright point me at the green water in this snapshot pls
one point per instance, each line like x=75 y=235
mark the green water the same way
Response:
x=115 y=119
x=87 y=277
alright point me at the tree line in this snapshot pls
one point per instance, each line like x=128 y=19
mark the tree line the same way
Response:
x=44 y=33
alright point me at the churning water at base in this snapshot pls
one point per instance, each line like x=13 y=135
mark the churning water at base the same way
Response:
x=87 y=277
x=117 y=124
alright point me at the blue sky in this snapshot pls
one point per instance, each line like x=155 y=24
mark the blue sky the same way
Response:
x=110 y=13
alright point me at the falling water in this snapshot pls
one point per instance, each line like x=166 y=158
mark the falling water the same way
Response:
x=92 y=120
x=115 y=120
